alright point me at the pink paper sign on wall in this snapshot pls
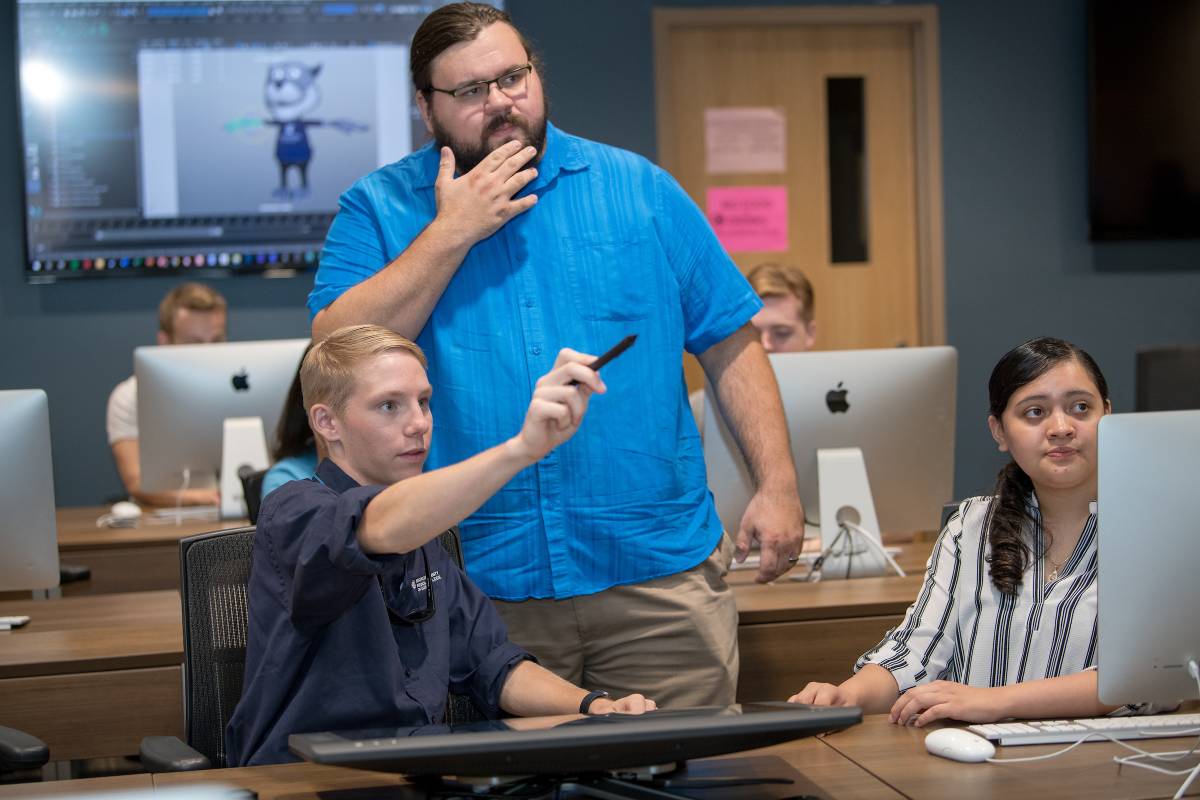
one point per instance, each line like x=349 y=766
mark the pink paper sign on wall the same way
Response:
x=750 y=219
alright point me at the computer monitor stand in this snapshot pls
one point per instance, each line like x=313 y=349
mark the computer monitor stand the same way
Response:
x=244 y=444
x=850 y=534
x=645 y=783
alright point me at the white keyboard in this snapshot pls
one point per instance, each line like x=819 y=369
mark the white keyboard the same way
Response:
x=1072 y=730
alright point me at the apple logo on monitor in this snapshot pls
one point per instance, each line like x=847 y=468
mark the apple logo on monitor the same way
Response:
x=836 y=399
x=241 y=381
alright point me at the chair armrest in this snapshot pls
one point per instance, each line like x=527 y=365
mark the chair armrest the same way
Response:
x=19 y=750
x=169 y=754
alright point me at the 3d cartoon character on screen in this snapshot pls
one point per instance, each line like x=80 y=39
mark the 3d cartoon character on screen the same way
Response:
x=291 y=93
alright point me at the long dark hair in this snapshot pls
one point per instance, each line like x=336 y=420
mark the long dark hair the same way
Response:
x=293 y=436
x=1010 y=518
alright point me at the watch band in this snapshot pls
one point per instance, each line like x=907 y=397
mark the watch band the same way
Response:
x=588 y=698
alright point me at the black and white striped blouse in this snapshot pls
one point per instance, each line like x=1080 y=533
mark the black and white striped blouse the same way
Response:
x=962 y=628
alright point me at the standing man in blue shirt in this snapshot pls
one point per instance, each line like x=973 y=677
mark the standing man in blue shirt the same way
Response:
x=494 y=246
x=356 y=619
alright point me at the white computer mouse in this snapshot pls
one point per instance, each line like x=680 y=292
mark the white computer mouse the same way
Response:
x=959 y=745
x=125 y=510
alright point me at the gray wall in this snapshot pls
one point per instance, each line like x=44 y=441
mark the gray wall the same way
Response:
x=1018 y=263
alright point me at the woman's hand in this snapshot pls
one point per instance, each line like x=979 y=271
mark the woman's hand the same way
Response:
x=823 y=694
x=923 y=704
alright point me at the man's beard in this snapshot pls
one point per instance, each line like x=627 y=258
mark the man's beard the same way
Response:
x=468 y=154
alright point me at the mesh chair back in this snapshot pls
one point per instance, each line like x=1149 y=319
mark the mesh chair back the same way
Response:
x=459 y=709
x=215 y=570
x=1168 y=378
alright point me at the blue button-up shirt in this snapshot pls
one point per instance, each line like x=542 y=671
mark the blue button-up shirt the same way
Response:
x=614 y=246
x=322 y=653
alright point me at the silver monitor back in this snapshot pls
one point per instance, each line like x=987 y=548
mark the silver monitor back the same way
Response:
x=185 y=393
x=28 y=535
x=1149 y=527
x=896 y=405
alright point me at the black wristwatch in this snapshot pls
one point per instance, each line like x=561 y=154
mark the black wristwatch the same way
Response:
x=589 y=698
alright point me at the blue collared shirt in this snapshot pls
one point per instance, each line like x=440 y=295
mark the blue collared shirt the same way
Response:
x=322 y=653
x=292 y=468
x=614 y=246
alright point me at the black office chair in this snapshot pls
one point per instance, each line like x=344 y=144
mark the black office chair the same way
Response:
x=252 y=482
x=20 y=755
x=215 y=570
x=1168 y=378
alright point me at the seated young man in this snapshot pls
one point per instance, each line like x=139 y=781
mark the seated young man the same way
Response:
x=356 y=618
x=191 y=313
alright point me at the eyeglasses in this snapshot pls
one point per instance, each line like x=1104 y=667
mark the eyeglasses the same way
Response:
x=423 y=615
x=510 y=83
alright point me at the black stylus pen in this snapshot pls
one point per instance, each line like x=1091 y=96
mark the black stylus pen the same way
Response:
x=617 y=349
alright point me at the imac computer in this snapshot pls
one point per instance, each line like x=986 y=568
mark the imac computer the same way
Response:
x=28 y=536
x=1149 y=526
x=205 y=409
x=872 y=434
x=581 y=756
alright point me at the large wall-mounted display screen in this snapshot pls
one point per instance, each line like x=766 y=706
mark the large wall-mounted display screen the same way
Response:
x=181 y=136
x=1144 y=128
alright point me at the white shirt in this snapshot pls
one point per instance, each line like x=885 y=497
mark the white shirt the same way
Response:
x=962 y=628
x=122 y=419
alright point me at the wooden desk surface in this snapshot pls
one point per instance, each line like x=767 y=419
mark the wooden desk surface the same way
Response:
x=897 y=756
x=91 y=676
x=820 y=768
x=872 y=760
x=141 y=559
x=77 y=530
x=793 y=601
x=89 y=634
x=115 y=785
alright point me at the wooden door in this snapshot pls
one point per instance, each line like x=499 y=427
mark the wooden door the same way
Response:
x=869 y=295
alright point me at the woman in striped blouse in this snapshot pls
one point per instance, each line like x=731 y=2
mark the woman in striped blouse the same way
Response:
x=1005 y=623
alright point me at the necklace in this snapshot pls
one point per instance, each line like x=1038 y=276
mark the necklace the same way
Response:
x=1053 y=576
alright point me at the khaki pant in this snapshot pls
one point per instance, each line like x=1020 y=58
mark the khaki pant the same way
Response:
x=673 y=639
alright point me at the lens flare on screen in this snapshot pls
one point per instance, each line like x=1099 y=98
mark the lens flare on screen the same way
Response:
x=43 y=82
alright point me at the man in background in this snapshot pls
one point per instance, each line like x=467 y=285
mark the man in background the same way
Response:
x=191 y=313
x=785 y=324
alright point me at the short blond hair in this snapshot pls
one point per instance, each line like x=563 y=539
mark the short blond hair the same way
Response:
x=193 y=297
x=781 y=280
x=329 y=370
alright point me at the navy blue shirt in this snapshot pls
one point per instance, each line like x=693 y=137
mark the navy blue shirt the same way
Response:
x=322 y=652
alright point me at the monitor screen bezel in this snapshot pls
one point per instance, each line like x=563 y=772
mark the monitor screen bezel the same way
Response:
x=584 y=745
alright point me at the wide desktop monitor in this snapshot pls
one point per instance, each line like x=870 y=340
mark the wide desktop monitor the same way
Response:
x=579 y=748
x=896 y=407
x=187 y=392
x=205 y=135
x=28 y=535
x=1148 y=519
